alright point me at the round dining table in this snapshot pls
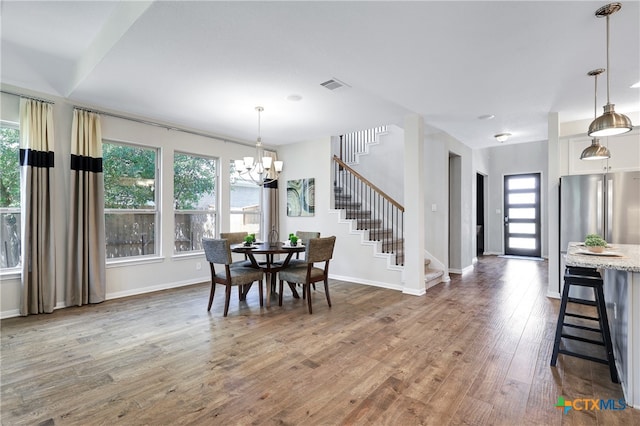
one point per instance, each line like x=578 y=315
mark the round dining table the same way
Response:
x=269 y=265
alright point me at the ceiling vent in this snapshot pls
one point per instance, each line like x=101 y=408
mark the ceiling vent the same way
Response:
x=334 y=84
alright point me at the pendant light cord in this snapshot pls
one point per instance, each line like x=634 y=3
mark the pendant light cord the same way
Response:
x=608 y=66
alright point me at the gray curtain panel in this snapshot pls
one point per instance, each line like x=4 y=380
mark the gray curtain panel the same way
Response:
x=270 y=201
x=38 y=292
x=86 y=262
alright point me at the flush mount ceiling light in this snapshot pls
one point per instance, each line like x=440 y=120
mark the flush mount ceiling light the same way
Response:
x=259 y=169
x=595 y=151
x=610 y=123
x=502 y=137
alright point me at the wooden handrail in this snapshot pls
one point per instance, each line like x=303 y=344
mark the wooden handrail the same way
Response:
x=366 y=181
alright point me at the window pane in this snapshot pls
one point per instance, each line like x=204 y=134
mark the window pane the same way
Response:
x=194 y=200
x=10 y=233
x=522 y=183
x=522 y=213
x=522 y=228
x=190 y=228
x=130 y=234
x=522 y=243
x=522 y=198
x=245 y=205
x=129 y=185
x=129 y=177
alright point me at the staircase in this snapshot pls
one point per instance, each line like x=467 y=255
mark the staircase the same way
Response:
x=371 y=211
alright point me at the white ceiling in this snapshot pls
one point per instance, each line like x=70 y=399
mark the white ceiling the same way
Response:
x=206 y=65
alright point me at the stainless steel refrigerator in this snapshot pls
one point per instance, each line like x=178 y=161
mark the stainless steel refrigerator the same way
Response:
x=603 y=204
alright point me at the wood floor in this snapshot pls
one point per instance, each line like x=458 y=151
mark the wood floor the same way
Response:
x=473 y=351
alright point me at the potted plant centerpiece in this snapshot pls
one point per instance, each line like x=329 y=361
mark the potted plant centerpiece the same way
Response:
x=293 y=240
x=248 y=240
x=595 y=243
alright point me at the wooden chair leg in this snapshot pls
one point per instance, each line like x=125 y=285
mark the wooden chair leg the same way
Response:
x=260 y=293
x=326 y=291
x=280 y=290
x=211 y=293
x=227 y=296
x=307 y=289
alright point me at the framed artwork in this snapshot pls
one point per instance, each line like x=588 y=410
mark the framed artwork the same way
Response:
x=301 y=197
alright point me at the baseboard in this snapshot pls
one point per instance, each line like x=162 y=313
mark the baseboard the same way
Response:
x=461 y=271
x=366 y=282
x=151 y=289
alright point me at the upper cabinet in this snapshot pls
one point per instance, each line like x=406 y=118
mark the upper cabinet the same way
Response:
x=624 y=149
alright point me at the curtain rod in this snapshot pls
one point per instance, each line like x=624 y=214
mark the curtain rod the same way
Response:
x=27 y=97
x=163 y=126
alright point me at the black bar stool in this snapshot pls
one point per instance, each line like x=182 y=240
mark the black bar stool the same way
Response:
x=584 y=277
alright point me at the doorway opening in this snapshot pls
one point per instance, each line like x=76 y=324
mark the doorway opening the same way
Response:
x=479 y=214
x=522 y=236
x=455 y=213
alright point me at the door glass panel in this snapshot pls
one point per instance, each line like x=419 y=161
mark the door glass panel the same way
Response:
x=522 y=198
x=522 y=213
x=522 y=183
x=522 y=228
x=522 y=243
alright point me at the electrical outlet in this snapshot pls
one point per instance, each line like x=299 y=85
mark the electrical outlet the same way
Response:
x=198 y=266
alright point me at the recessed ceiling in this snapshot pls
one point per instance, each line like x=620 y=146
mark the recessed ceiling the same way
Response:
x=206 y=65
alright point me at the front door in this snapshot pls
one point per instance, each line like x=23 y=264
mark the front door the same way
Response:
x=522 y=215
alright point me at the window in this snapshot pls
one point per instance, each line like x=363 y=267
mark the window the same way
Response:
x=245 y=204
x=10 y=232
x=130 y=204
x=194 y=201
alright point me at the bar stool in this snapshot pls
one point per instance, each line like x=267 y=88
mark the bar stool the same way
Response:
x=591 y=278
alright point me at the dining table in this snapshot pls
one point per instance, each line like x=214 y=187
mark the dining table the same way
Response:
x=270 y=265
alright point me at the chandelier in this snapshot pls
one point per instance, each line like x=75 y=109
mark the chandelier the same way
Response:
x=259 y=169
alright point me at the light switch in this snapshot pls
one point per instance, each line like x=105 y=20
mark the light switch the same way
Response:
x=434 y=207
x=497 y=211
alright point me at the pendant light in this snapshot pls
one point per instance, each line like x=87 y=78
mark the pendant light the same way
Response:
x=595 y=151
x=610 y=123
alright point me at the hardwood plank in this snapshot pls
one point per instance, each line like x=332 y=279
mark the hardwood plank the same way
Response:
x=475 y=350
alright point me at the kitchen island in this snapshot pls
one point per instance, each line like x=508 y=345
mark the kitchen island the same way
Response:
x=620 y=268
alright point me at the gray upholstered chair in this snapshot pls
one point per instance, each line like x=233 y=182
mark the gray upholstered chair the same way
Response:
x=317 y=250
x=304 y=237
x=236 y=238
x=218 y=252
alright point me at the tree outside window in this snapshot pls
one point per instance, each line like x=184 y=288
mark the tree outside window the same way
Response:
x=10 y=232
x=130 y=200
x=194 y=198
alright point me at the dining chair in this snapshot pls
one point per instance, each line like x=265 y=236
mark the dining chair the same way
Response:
x=304 y=237
x=218 y=252
x=317 y=250
x=236 y=238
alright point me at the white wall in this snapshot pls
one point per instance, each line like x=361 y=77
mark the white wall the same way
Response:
x=514 y=159
x=127 y=277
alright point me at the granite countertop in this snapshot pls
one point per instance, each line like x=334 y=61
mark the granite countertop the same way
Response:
x=624 y=257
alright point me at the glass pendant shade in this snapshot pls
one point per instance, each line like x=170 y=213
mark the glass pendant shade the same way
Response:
x=610 y=123
x=595 y=151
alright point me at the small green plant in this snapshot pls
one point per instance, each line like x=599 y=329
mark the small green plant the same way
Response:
x=248 y=240
x=293 y=239
x=594 y=240
x=253 y=237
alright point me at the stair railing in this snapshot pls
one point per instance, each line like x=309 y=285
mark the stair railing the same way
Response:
x=355 y=143
x=374 y=210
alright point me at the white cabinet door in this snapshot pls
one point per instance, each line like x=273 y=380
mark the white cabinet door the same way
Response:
x=625 y=152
